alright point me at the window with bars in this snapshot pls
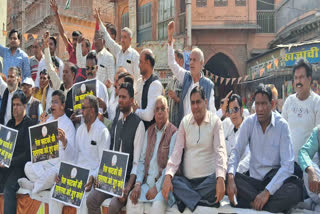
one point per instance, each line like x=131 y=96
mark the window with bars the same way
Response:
x=125 y=20
x=201 y=3
x=165 y=15
x=182 y=6
x=220 y=3
x=241 y=2
x=145 y=23
x=265 y=16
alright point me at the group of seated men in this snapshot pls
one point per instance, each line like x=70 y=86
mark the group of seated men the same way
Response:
x=194 y=163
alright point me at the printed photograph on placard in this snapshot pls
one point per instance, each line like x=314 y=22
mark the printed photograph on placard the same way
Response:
x=8 y=138
x=70 y=189
x=80 y=91
x=44 y=144
x=112 y=172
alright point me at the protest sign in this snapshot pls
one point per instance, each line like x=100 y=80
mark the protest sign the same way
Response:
x=112 y=172
x=44 y=144
x=8 y=138
x=80 y=91
x=70 y=189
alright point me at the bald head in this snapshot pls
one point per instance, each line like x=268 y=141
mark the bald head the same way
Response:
x=147 y=62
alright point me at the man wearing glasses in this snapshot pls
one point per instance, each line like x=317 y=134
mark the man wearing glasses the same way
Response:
x=91 y=139
x=200 y=144
x=231 y=126
x=128 y=138
x=158 y=145
x=101 y=90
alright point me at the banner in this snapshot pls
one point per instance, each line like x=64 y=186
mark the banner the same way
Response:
x=80 y=91
x=70 y=189
x=43 y=141
x=309 y=52
x=8 y=138
x=112 y=172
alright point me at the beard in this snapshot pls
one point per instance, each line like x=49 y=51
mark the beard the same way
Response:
x=12 y=86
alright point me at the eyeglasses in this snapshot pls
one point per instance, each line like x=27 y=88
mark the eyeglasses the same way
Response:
x=162 y=109
x=233 y=110
x=91 y=68
x=85 y=107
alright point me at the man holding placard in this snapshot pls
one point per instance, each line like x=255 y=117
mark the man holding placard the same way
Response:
x=9 y=176
x=128 y=138
x=41 y=175
x=91 y=139
x=101 y=90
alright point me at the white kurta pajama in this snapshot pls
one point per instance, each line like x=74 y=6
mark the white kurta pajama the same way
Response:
x=87 y=156
x=158 y=204
x=42 y=174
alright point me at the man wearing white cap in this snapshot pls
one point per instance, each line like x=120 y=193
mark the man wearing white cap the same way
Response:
x=34 y=109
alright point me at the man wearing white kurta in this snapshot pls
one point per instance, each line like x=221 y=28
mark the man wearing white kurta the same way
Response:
x=41 y=175
x=302 y=109
x=125 y=55
x=91 y=139
x=158 y=145
x=189 y=79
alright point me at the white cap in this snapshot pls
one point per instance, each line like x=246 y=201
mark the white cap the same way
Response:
x=28 y=81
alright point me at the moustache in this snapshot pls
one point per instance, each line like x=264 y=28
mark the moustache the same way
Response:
x=299 y=84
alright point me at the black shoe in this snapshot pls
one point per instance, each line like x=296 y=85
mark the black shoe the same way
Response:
x=207 y=203
x=181 y=206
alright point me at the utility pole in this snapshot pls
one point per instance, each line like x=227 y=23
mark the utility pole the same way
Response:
x=23 y=16
x=188 y=14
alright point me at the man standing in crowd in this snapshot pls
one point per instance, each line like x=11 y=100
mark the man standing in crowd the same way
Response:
x=14 y=78
x=106 y=65
x=71 y=48
x=128 y=138
x=34 y=107
x=125 y=55
x=173 y=91
x=200 y=144
x=82 y=50
x=37 y=47
x=52 y=44
x=271 y=185
x=152 y=88
x=9 y=176
x=302 y=109
x=14 y=56
x=189 y=79
x=91 y=139
x=158 y=145
x=41 y=175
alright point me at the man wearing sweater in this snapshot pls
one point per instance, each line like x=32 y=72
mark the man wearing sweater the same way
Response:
x=200 y=142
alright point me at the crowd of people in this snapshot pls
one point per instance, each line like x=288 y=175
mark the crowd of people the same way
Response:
x=181 y=150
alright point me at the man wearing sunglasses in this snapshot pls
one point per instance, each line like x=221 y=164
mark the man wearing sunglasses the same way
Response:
x=231 y=126
x=270 y=185
x=101 y=90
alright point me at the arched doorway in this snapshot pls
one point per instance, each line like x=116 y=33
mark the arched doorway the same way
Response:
x=223 y=66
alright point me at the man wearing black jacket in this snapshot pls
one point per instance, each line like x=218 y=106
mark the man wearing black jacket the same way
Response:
x=9 y=176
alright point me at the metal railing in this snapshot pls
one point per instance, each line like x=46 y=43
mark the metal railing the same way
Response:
x=266 y=20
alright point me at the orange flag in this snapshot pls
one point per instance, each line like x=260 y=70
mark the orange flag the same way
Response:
x=269 y=66
x=276 y=62
x=261 y=72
